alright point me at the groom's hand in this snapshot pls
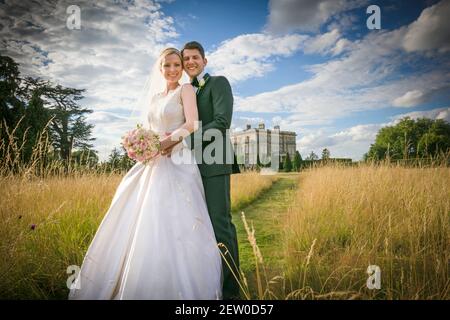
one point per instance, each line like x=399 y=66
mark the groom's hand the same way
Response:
x=167 y=145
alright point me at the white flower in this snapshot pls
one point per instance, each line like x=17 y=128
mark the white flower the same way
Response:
x=201 y=83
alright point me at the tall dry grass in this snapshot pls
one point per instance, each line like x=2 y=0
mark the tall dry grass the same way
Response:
x=44 y=161
x=50 y=213
x=345 y=219
x=47 y=225
x=245 y=188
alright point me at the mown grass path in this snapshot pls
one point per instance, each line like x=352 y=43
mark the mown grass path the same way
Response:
x=266 y=215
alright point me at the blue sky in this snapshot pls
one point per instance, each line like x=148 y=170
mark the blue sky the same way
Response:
x=312 y=67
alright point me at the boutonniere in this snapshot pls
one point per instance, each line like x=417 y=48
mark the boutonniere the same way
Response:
x=202 y=81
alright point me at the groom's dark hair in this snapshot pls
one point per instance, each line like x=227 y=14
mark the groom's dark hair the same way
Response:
x=194 y=45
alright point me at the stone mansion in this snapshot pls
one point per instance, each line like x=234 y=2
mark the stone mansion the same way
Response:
x=251 y=141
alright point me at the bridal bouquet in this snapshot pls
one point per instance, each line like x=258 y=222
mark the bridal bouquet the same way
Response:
x=141 y=144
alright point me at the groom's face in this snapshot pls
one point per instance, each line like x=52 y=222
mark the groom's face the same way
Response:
x=193 y=62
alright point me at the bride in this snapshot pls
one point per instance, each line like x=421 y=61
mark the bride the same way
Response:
x=156 y=241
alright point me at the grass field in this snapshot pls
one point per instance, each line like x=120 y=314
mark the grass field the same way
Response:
x=305 y=236
x=341 y=220
x=48 y=224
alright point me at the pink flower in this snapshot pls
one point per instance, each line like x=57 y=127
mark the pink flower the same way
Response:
x=141 y=144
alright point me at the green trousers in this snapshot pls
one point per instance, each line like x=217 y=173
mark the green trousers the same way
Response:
x=217 y=191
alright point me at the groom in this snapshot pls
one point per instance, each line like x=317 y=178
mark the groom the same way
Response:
x=215 y=109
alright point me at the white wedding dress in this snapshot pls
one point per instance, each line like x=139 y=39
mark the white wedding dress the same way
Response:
x=156 y=241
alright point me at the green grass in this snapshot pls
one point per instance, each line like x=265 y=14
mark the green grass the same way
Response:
x=266 y=214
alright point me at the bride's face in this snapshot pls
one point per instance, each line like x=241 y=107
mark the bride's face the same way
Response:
x=172 y=68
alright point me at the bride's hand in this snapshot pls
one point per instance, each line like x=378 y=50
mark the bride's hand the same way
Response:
x=167 y=144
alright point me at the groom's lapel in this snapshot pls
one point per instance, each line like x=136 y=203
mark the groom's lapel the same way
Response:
x=200 y=90
x=202 y=99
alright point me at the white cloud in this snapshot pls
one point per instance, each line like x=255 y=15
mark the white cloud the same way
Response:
x=251 y=55
x=323 y=43
x=353 y=142
x=409 y=99
x=104 y=117
x=431 y=31
x=439 y=113
x=239 y=123
x=295 y=121
x=362 y=132
x=367 y=77
x=341 y=46
x=305 y=15
x=344 y=22
x=339 y=83
x=350 y=142
x=316 y=140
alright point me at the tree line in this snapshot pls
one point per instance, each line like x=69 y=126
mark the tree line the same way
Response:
x=421 y=138
x=42 y=122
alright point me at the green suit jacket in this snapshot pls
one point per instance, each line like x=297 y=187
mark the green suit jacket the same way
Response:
x=215 y=110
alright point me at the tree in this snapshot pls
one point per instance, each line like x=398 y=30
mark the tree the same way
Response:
x=435 y=140
x=69 y=129
x=85 y=157
x=118 y=159
x=126 y=163
x=37 y=117
x=312 y=156
x=11 y=108
x=325 y=154
x=114 y=158
x=22 y=111
x=297 y=161
x=411 y=139
x=287 y=165
x=34 y=106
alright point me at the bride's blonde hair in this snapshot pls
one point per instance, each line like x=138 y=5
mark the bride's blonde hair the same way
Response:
x=167 y=52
